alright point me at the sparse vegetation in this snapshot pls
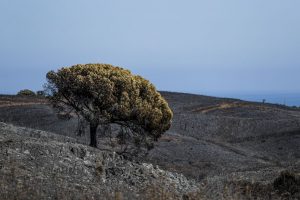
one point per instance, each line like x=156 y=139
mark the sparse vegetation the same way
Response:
x=242 y=167
x=103 y=94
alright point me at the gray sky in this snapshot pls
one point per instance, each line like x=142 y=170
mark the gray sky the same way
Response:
x=210 y=47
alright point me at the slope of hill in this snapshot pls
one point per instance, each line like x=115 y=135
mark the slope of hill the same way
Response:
x=212 y=140
x=36 y=164
x=40 y=165
x=219 y=136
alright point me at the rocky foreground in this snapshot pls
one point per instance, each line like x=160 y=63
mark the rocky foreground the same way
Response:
x=39 y=165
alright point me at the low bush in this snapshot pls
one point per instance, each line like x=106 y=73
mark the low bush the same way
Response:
x=40 y=93
x=287 y=183
x=26 y=92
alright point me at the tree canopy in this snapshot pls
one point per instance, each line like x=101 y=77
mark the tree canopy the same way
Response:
x=26 y=92
x=103 y=94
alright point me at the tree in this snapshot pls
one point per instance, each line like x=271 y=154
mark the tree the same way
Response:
x=26 y=92
x=103 y=94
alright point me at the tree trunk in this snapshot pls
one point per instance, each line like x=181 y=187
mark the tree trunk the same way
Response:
x=93 y=134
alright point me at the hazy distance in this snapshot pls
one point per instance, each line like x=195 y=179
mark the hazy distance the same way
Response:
x=220 y=48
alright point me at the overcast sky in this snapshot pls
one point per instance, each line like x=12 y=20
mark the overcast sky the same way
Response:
x=209 y=47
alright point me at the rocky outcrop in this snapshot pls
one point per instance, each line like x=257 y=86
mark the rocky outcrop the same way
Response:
x=40 y=165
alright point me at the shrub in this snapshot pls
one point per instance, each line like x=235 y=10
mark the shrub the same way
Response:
x=287 y=182
x=26 y=92
x=40 y=93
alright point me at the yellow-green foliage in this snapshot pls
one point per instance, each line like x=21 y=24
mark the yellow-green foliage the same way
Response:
x=26 y=92
x=102 y=93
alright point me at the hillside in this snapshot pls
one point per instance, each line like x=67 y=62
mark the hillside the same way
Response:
x=219 y=136
x=220 y=143
x=41 y=165
x=36 y=164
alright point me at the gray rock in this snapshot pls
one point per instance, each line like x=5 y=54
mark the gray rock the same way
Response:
x=40 y=165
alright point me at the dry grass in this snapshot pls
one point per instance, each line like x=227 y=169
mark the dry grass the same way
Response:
x=169 y=138
x=10 y=101
x=221 y=106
